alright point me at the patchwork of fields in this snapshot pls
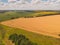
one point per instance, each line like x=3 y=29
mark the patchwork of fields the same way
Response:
x=49 y=25
x=38 y=26
x=24 y=14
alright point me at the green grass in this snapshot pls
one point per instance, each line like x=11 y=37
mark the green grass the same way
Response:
x=37 y=38
x=10 y=15
x=13 y=15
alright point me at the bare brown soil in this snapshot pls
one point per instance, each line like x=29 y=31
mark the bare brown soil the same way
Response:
x=48 y=25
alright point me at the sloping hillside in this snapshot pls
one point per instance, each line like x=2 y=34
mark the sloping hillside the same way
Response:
x=26 y=14
x=49 y=25
x=38 y=38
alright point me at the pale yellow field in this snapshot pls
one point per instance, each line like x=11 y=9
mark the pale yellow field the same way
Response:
x=48 y=25
x=38 y=13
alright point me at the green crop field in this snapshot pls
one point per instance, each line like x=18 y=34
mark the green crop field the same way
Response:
x=26 y=14
x=13 y=15
x=39 y=39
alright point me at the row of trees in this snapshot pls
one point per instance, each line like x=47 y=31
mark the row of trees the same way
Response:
x=20 y=40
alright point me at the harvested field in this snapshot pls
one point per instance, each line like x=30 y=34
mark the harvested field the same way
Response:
x=48 y=25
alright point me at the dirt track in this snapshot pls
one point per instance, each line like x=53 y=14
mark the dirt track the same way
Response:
x=49 y=25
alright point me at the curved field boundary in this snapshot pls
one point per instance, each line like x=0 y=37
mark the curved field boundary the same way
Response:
x=49 y=25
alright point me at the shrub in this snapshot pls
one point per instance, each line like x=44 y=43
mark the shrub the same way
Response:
x=20 y=40
x=58 y=34
x=13 y=18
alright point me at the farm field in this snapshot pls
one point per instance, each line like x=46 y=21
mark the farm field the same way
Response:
x=37 y=38
x=40 y=27
x=49 y=25
x=26 y=14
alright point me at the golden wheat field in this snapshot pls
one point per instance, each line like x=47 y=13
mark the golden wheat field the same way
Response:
x=47 y=25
